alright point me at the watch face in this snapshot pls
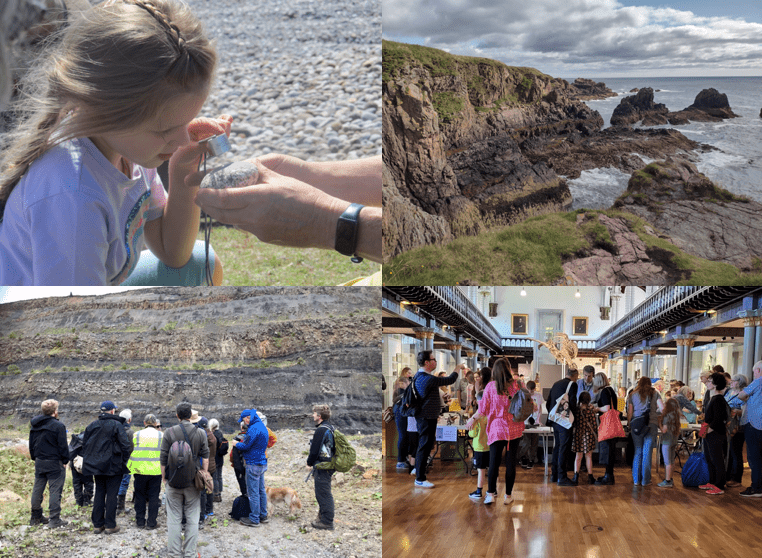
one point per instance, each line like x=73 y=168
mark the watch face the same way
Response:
x=346 y=230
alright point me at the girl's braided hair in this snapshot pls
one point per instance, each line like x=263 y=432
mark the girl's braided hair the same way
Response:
x=112 y=69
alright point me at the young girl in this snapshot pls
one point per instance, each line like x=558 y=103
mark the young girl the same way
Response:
x=79 y=194
x=481 y=451
x=585 y=437
x=669 y=423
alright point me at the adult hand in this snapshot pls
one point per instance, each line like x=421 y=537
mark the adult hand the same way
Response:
x=278 y=209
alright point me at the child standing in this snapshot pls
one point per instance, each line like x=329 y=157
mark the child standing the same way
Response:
x=669 y=424
x=79 y=194
x=585 y=437
x=481 y=450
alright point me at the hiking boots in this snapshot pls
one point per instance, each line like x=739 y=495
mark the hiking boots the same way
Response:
x=120 y=502
x=41 y=520
x=321 y=525
x=57 y=522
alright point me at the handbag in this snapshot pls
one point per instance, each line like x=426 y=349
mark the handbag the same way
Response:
x=611 y=426
x=204 y=481
x=695 y=471
x=639 y=425
x=561 y=412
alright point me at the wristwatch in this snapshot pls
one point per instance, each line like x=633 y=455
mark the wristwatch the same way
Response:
x=346 y=232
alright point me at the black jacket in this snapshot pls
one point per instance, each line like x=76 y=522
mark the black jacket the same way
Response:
x=106 y=448
x=557 y=391
x=47 y=440
x=317 y=441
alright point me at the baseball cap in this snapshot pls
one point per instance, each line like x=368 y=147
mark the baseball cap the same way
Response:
x=203 y=423
x=108 y=405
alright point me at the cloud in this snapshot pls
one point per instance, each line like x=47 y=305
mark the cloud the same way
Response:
x=573 y=35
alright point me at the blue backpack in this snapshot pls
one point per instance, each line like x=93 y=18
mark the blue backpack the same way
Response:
x=695 y=471
x=241 y=508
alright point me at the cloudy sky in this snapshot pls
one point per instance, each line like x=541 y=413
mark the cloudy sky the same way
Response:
x=590 y=38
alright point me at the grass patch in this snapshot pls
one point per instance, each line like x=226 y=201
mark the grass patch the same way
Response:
x=447 y=105
x=533 y=252
x=248 y=261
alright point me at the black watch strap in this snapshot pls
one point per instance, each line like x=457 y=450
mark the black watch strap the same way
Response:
x=346 y=232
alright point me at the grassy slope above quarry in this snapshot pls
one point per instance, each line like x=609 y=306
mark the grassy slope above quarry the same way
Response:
x=533 y=252
x=491 y=85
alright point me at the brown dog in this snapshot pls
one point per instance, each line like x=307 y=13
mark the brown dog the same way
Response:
x=285 y=495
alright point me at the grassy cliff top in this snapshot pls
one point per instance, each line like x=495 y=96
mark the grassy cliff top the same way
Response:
x=438 y=62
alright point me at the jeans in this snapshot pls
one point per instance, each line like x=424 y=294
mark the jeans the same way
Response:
x=404 y=445
x=511 y=457
x=104 y=503
x=53 y=474
x=179 y=501
x=427 y=429
x=323 y=495
x=754 y=454
x=641 y=463
x=561 y=448
x=255 y=488
x=217 y=477
x=125 y=485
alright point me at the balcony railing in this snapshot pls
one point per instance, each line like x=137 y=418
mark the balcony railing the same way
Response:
x=666 y=308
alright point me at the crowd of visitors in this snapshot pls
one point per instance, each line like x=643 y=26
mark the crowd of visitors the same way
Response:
x=730 y=414
x=186 y=461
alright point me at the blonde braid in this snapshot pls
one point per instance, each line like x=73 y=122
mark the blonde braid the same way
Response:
x=172 y=30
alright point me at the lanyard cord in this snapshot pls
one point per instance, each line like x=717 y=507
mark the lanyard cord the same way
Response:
x=207 y=232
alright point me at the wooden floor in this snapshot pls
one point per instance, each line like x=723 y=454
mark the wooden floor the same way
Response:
x=548 y=521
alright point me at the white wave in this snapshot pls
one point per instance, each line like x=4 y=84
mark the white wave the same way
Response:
x=598 y=188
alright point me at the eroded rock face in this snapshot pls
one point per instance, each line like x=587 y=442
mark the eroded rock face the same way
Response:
x=223 y=349
x=587 y=90
x=453 y=148
x=694 y=214
x=639 y=107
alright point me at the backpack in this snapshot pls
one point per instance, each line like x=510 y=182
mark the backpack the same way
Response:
x=76 y=444
x=222 y=448
x=343 y=456
x=181 y=465
x=241 y=508
x=522 y=405
x=411 y=401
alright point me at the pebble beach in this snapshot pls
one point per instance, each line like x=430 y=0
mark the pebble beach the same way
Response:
x=299 y=77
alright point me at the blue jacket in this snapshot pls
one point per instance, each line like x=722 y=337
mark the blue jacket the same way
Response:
x=254 y=445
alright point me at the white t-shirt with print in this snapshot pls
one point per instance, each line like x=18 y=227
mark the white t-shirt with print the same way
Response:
x=74 y=219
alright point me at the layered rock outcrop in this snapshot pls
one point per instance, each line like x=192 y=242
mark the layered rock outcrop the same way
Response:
x=709 y=106
x=588 y=90
x=222 y=349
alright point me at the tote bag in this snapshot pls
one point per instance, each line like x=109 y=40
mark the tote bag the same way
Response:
x=561 y=412
x=611 y=426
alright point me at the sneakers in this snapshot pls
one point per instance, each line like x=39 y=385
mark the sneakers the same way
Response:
x=112 y=531
x=507 y=499
x=321 y=525
x=476 y=494
x=265 y=519
x=714 y=490
x=57 y=522
x=98 y=530
x=645 y=483
x=752 y=493
x=424 y=484
x=412 y=471
x=401 y=465
x=248 y=522
x=731 y=484
x=666 y=484
x=489 y=498
x=706 y=486
x=530 y=465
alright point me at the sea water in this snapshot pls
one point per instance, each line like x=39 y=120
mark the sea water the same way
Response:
x=735 y=166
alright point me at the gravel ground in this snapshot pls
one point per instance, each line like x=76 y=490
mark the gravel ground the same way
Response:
x=357 y=523
x=300 y=77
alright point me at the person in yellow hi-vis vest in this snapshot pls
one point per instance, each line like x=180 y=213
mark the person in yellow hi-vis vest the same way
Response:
x=146 y=469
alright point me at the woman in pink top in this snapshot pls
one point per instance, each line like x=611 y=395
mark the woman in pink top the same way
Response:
x=502 y=430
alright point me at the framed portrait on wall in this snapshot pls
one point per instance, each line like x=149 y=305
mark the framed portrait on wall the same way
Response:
x=579 y=325
x=519 y=324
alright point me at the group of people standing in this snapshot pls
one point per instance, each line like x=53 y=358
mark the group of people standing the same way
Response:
x=496 y=433
x=108 y=452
